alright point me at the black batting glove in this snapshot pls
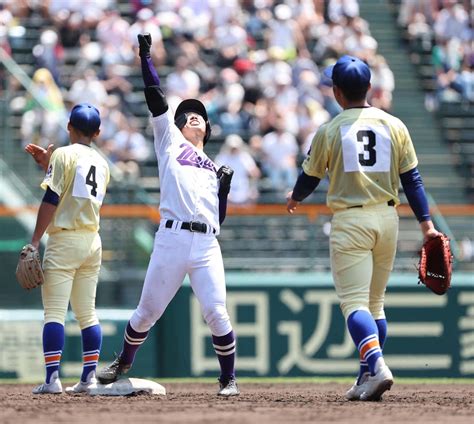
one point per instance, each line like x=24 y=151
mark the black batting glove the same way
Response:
x=144 y=42
x=225 y=174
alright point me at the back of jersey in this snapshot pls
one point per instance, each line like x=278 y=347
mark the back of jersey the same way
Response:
x=364 y=151
x=79 y=175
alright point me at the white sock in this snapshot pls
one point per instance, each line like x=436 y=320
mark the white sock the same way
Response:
x=379 y=364
x=89 y=377
x=54 y=377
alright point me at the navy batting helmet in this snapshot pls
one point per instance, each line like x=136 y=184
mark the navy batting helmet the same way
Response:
x=192 y=105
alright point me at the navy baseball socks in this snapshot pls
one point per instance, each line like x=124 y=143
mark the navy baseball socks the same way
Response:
x=132 y=340
x=53 y=343
x=374 y=376
x=224 y=346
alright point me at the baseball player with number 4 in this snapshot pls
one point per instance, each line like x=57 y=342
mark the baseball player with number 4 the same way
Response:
x=75 y=184
x=366 y=153
x=193 y=199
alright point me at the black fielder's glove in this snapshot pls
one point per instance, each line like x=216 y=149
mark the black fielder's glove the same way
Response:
x=144 y=42
x=225 y=174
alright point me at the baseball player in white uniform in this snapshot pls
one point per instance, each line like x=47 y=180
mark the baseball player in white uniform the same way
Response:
x=192 y=207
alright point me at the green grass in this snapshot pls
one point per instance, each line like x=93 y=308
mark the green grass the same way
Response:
x=276 y=380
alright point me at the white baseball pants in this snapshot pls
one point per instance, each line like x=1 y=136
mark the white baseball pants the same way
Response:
x=176 y=253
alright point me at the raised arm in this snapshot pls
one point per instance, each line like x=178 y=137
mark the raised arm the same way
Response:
x=149 y=74
x=154 y=96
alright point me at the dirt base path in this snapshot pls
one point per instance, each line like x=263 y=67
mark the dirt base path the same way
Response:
x=259 y=403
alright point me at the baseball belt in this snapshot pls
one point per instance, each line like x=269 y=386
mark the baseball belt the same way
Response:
x=193 y=226
x=389 y=203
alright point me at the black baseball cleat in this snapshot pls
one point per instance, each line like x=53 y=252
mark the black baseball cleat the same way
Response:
x=111 y=373
x=228 y=387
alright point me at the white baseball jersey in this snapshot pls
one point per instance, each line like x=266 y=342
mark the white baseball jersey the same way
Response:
x=188 y=180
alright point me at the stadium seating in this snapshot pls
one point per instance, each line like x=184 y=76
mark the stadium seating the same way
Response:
x=444 y=142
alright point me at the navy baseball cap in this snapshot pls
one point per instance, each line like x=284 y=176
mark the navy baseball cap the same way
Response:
x=85 y=118
x=349 y=73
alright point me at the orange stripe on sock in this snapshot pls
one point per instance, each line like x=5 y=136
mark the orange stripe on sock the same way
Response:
x=54 y=358
x=368 y=346
x=89 y=358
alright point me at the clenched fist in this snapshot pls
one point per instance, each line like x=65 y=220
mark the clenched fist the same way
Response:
x=144 y=42
x=225 y=174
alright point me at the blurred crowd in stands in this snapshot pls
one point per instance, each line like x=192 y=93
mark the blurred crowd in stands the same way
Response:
x=444 y=28
x=256 y=64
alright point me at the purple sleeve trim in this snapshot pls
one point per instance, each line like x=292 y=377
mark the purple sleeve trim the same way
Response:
x=415 y=192
x=150 y=77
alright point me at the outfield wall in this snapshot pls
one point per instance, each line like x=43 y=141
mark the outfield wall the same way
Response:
x=287 y=325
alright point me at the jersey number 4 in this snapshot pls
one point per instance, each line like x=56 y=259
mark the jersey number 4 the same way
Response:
x=89 y=181
x=366 y=149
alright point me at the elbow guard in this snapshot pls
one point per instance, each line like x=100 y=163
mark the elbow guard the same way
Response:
x=156 y=100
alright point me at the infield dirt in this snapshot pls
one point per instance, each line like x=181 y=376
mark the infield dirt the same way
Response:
x=259 y=403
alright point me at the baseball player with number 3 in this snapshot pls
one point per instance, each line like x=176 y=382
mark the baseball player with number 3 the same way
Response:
x=75 y=183
x=366 y=153
x=193 y=199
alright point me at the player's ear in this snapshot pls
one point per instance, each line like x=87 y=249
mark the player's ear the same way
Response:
x=96 y=134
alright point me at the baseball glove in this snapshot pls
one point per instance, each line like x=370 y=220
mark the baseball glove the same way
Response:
x=28 y=271
x=435 y=265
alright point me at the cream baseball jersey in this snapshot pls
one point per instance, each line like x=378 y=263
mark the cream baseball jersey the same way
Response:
x=364 y=151
x=188 y=180
x=79 y=176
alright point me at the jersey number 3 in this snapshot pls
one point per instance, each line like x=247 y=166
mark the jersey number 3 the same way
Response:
x=366 y=149
x=89 y=181
x=367 y=137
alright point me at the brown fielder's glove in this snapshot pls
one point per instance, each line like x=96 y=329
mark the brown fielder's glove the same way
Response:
x=436 y=262
x=28 y=271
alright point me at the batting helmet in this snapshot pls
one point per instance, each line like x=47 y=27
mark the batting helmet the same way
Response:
x=192 y=105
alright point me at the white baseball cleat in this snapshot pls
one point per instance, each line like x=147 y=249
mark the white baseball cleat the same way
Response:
x=228 y=388
x=82 y=387
x=358 y=387
x=53 y=387
x=377 y=384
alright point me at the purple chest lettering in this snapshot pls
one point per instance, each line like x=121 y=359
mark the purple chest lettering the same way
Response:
x=188 y=157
